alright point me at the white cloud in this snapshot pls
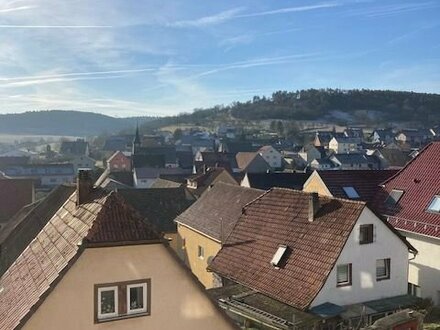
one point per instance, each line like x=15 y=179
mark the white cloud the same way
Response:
x=12 y=9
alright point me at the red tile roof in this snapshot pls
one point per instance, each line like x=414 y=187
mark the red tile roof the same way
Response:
x=104 y=219
x=281 y=217
x=420 y=181
x=365 y=182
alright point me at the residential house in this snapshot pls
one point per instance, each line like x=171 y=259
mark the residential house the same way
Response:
x=293 y=253
x=272 y=156
x=145 y=177
x=22 y=228
x=119 y=143
x=114 y=180
x=360 y=185
x=322 y=138
x=251 y=162
x=75 y=148
x=343 y=145
x=14 y=194
x=355 y=161
x=354 y=132
x=49 y=175
x=391 y=158
x=322 y=164
x=382 y=136
x=310 y=152
x=97 y=264
x=204 y=160
x=82 y=162
x=204 y=226
x=197 y=143
x=160 y=156
x=235 y=147
x=266 y=181
x=415 y=137
x=411 y=202
x=197 y=184
x=119 y=162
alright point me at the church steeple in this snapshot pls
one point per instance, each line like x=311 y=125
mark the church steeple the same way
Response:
x=137 y=139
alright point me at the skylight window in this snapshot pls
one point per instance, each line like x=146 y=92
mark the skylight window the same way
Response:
x=351 y=192
x=394 y=197
x=435 y=205
x=278 y=255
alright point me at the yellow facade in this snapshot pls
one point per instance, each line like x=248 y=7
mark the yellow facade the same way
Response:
x=189 y=243
x=315 y=184
x=177 y=301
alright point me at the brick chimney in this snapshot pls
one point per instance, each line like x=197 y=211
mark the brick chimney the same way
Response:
x=84 y=186
x=313 y=206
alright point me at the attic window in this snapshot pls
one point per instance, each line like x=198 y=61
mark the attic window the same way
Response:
x=435 y=205
x=394 y=197
x=278 y=255
x=351 y=192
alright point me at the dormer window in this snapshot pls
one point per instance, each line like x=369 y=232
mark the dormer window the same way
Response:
x=434 y=206
x=351 y=192
x=394 y=197
x=278 y=255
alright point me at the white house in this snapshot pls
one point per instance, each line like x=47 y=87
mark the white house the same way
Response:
x=307 y=251
x=344 y=145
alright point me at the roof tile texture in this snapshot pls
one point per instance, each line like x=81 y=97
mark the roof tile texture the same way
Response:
x=420 y=181
x=281 y=217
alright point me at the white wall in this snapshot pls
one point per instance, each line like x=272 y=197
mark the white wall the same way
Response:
x=363 y=259
x=424 y=270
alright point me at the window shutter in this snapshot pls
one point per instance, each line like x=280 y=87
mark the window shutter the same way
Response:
x=374 y=233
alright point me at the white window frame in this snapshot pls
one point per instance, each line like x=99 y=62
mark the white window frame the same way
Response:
x=102 y=316
x=145 y=302
x=433 y=202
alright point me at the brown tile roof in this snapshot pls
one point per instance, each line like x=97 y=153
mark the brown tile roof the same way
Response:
x=25 y=225
x=104 y=219
x=420 y=181
x=281 y=217
x=210 y=177
x=14 y=194
x=222 y=202
x=365 y=182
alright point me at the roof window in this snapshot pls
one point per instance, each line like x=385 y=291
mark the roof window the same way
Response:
x=351 y=192
x=434 y=206
x=278 y=255
x=394 y=197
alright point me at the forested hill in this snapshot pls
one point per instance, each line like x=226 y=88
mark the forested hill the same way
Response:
x=58 y=122
x=333 y=105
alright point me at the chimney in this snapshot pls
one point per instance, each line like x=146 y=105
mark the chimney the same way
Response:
x=313 y=206
x=84 y=186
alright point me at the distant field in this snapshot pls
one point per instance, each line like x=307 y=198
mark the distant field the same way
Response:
x=11 y=138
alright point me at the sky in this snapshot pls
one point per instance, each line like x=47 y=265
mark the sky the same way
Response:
x=164 y=57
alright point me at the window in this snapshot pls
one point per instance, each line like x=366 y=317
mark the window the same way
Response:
x=414 y=290
x=136 y=294
x=394 y=197
x=435 y=205
x=382 y=269
x=121 y=300
x=343 y=276
x=107 y=302
x=200 y=252
x=351 y=192
x=366 y=234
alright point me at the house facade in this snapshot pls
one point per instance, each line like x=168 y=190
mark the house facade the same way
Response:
x=411 y=202
x=101 y=266
x=205 y=225
x=344 y=145
x=307 y=254
x=119 y=162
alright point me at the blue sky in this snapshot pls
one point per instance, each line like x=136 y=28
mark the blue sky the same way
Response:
x=162 y=57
